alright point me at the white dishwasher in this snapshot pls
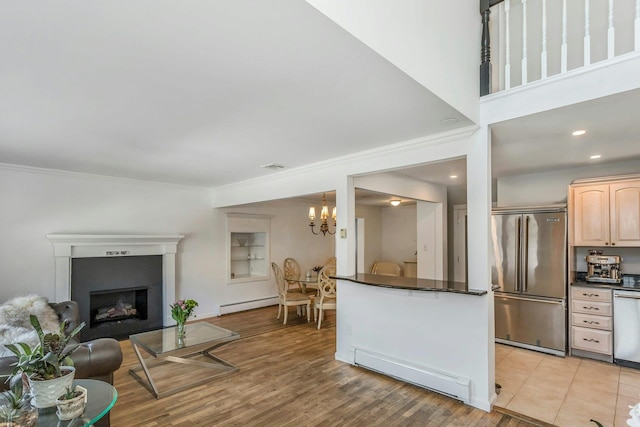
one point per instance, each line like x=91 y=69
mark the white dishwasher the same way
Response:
x=626 y=328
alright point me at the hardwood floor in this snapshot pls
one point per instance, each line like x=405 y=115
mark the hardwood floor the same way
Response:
x=288 y=377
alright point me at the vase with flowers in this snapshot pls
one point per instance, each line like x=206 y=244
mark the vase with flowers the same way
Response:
x=181 y=310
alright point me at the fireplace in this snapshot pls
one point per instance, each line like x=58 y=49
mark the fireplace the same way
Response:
x=113 y=272
x=117 y=296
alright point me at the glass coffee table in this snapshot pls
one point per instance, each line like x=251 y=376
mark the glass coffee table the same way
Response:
x=101 y=397
x=193 y=352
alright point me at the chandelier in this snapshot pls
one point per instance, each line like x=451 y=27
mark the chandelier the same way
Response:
x=324 y=217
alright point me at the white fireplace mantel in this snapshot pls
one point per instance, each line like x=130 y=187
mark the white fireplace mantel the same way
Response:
x=69 y=246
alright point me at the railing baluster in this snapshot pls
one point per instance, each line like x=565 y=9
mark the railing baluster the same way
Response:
x=543 y=54
x=587 y=35
x=637 y=26
x=507 y=57
x=563 y=47
x=485 y=51
x=524 y=42
x=611 y=34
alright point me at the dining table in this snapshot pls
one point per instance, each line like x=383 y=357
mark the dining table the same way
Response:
x=308 y=281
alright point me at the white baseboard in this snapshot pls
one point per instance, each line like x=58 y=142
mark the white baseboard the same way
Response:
x=423 y=376
x=248 y=305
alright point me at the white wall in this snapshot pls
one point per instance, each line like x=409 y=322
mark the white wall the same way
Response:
x=399 y=234
x=550 y=187
x=428 y=329
x=37 y=203
x=372 y=235
x=423 y=39
x=290 y=236
x=390 y=234
x=402 y=186
x=471 y=331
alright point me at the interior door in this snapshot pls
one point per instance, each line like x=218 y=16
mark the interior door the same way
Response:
x=506 y=237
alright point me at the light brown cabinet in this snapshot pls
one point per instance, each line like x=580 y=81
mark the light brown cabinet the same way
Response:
x=591 y=322
x=606 y=214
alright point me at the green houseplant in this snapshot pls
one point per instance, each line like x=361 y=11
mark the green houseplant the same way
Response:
x=47 y=362
x=71 y=403
x=15 y=406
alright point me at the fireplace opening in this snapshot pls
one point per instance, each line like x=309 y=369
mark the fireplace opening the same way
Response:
x=118 y=296
x=122 y=305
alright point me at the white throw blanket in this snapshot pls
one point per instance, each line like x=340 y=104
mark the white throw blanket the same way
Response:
x=15 y=324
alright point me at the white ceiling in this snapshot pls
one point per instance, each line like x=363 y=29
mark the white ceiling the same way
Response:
x=204 y=92
x=544 y=142
x=197 y=93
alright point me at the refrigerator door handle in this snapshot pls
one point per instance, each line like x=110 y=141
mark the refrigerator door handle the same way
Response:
x=562 y=302
x=517 y=256
x=525 y=257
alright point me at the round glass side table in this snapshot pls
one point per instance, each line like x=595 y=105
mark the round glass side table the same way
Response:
x=101 y=397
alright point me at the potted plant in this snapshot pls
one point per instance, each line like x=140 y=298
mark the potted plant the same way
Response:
x=15 y=406
x=47 y=365
x=181 y=310
x=71 y=403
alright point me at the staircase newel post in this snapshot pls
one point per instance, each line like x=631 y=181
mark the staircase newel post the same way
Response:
x=485 y=50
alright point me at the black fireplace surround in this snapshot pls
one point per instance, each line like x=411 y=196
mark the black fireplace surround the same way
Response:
x=118 y=296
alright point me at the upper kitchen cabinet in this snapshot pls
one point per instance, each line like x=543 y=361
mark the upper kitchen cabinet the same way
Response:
x=605 y=212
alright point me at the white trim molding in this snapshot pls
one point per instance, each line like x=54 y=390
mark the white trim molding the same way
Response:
x=68 y=246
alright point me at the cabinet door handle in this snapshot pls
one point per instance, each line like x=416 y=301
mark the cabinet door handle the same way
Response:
x=590 y=340
x=591 y=322
x=606 y=243
x=613 y=244
x=590 y=295
x=591 y=308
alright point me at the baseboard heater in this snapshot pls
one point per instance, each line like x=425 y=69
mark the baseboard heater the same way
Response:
x=431 y=379
x=248 y=305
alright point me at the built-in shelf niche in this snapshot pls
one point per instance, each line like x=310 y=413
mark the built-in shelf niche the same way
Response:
x=248 y=247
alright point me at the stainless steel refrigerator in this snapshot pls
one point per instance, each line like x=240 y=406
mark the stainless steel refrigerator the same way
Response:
x=529 y=269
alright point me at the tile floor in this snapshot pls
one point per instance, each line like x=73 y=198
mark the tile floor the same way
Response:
x=565 y=391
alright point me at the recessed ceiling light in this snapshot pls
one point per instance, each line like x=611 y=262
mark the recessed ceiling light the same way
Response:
x=394 y=202
x=449 y=121
x=595 y=156
x=453 y=176
x=579 y=132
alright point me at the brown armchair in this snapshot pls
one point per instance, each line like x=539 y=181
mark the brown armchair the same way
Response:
x=97 y=359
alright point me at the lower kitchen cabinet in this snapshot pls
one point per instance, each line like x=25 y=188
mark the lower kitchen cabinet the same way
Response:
x=591 y=340
x=591 y=323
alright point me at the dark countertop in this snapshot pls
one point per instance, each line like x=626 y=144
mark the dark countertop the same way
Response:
x=411 y=283
x=630 y=282
x=615 y=287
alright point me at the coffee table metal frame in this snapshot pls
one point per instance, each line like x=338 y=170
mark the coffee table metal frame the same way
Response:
x=164 y=347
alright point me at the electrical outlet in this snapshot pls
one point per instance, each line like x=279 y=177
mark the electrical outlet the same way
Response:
x=343 y=233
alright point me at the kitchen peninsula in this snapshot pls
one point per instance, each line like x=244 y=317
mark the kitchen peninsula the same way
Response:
x=409 y=328
x=412 y=283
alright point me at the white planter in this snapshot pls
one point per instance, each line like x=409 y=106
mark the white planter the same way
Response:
x=46 y=392
x=72 y=408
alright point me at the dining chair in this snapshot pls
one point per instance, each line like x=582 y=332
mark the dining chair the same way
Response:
x=331 y=263
x=291 y=270
x=386 y=268
x=328 y=297
x=286 y=298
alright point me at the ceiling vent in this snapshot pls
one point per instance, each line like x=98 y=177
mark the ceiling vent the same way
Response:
x=272 y=166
